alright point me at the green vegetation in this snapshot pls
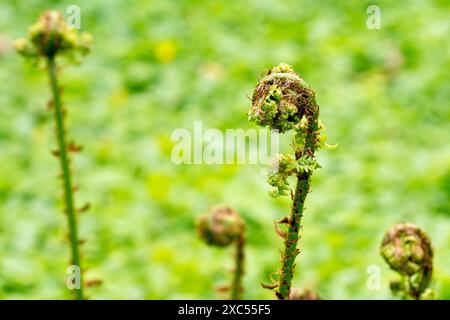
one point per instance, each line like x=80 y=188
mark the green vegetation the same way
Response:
x=156 y=67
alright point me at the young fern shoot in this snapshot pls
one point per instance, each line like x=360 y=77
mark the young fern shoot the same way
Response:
x=407 y=250
x=49 y=39
x=283 y=101
x=223 y=227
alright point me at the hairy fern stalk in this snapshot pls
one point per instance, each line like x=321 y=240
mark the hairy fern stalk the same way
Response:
x=283 y=101
x=64 y=159
x=48 y=39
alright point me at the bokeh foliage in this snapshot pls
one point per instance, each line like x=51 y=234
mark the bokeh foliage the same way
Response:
x=160 y=65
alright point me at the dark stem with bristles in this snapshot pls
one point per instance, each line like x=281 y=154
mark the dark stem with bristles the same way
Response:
x=283 y=101
x=290 y=250
x=64 y=158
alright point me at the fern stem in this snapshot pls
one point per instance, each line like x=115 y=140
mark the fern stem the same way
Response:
x=290 y=251
x=236 y=288
x=65 y=169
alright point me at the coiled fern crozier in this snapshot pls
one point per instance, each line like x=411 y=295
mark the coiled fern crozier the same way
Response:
x=221 y=227
x=407 y=250
x=283 y=101
x=49 y=39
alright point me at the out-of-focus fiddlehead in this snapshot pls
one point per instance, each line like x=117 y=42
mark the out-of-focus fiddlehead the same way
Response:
x=407 y=250
x=222 y=227
x=49 y=39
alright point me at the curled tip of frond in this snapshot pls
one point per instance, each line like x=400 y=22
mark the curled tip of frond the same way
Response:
x=407 y=250
x=279 y=169
x=280 y=100
x=303 y=294
x=51 y=35
x=282 y=166
x=221 y=226
x=282 y=68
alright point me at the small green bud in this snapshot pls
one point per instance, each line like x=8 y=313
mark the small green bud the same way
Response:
x=279 y=169
x=282 y=68
x=307 y=164
x=221 y=226
x=50 y=36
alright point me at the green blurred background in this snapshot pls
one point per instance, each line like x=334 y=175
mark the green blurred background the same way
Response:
x=159 y=65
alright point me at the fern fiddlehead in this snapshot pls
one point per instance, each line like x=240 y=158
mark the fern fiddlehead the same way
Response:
x=48 y=39
x=223 y=227
x=407 y=250
x=283 y=101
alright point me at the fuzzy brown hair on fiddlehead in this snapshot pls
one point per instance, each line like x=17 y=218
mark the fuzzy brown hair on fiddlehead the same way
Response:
x=407 y=250
x=49 y=39
x=280 y=99
x=222 y=227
